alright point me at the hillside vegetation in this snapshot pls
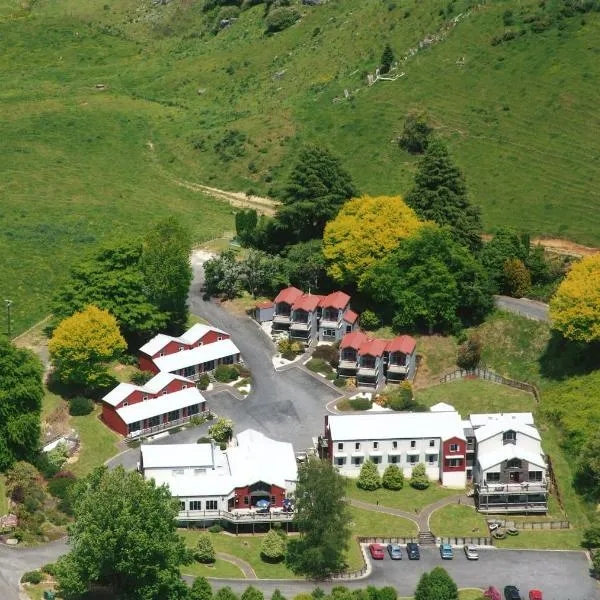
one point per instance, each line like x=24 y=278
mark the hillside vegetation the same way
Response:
x=231 y=108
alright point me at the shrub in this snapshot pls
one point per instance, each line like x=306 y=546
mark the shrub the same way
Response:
x=369 y=478
x=142 y=377
x=328 y=353
x=339 y=382
x=80 y=406
x=197 y=420
x=360 y=403
x=596 y=564
x=57 y=457
x=369 y=320
x=59 y=487
x=517 y=278
x=222 y=430
x=289 y=350
x=402 y=399
x=204 y=440
x=469 y=353
x=251 y=593
x=49 y=568
x=273 y=547
x=318 y=365
x=243 y=370
x=216 y=528
x=204 y=552
x=34 y=577
x=393 y=478
x=226 y=373
x=228 y=12
x=591 y=535
x=203 y=381
x=415 y=136
x=281 y=18
x=418 y=478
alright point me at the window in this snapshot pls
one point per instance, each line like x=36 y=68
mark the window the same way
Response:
x=357 y=460
x=195 y=505
x=340 y=446
x=328 y=332
x=431 y=443
x=454 y=462
x=153 y=421
x=453 y=447
x=348 y=328
x=199 y=471
x=395 y=445
x=535 y=476
x=144 y=398
x=246 y=500
x=177 y=471
x=180 y=348
x=509 y=437
x=376 y=459
x=272 y=499
x=492 y=477
x=413 y=444
x=340 y=461
x=431 y=459
x=182 y=506
x=211 y=505
x=193 y=409
x=357 y=446
x=393 y=459
x=413 y=459
x=513 y=463
x=375 y=445
x=219 y=338
x=173 y=415
x=134 y=426
x=126 y=403
x=165 y=392
x=184 y=386
x=162 y=354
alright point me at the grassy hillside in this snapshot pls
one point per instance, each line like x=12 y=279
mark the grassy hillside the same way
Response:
x=80 y=165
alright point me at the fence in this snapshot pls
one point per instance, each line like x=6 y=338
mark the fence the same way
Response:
x=386 y=540
x=538 y=525
x=465 y=541
x=487 y=375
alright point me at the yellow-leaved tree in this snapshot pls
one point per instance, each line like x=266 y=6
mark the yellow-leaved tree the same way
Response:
x=365 y=230
x=575 y=308
x=81 y=346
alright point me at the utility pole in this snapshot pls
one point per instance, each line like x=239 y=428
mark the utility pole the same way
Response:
x=8 y=305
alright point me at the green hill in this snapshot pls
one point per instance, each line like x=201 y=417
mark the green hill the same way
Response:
x=80 y=165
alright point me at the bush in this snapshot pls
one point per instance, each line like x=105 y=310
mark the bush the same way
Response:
x=273 y=547
x=289 y=350
x=197 y=420
x=50 y=569
x=243 y=370
x=226 y=373
x=591 y=535
x=360 y=403
x=415 y=135
x=393 y=478
x=469 y=353
x=204 y=552
x=281 y=18
x=402 y=399
x=328 y=353
x=204 y=440
x=57 y=457
x=339 y=382
x=216 y=528
x=142 y=377
x=59 y=487
x=222 y=430
x=318 y=365
x=203 y=381
x=418 y=478
x=369 y=476
x=34 y=577
x=369 y=320
x=80 y=406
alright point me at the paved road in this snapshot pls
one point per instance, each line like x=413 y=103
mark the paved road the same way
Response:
x=560 y=575
x=538 y=311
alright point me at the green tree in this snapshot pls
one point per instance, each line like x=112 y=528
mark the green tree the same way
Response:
x=262 y=272
x=316 y=189
x=323 y=520
x=305 y=264
x=415 y=134
x=165 y=263
x=19 y=478
x=113 y=280
x=82 y=346
x=517 y=278
x=440 y=195
x=469 y=353
x=430 y=281
x=368 y=478
x=277 y=595
x=251 y=593
x=387 y=59
x=226 y=593
x=591 y=535
x=436 y=585
x=223 y=275
x=21 y=393
x=124 y=537
x=418 y=477
x=273 y=546
x=393 y=478
x=245 y=226
x=369 y=320
x=222 y=430
x=596 y=564
x=201 y=589
x=505 y=245
x=587 y=470
x=204 y=551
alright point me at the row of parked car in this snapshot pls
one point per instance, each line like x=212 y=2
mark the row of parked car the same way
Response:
x=511 y=592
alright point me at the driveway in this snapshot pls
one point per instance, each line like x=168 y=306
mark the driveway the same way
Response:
x=560 y=575
x=532 y=309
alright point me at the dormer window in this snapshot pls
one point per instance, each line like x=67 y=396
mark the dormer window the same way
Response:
x=514 y=463
x=161 y=354
x=219 y=338
x=509 y=437
x=144 y=398
x=125 y=403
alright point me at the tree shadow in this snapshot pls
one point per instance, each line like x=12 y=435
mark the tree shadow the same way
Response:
x=563 y=358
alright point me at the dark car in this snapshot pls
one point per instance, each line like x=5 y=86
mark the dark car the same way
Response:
x=511 y=592
x=412 y=551
x=394 y=551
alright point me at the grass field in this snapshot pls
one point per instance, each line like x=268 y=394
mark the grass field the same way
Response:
x=458 y=521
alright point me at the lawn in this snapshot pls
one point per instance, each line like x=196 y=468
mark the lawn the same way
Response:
x=477 y=396
x=408 y=498
x=458 y=521
x=220 y=568
x=567 y=539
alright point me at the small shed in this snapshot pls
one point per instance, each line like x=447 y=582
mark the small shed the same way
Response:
x=264 y=311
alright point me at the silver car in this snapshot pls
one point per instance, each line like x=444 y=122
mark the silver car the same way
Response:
x=471 y=552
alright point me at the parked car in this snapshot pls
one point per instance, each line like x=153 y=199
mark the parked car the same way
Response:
x=412 y=551
x=394 y=551
x=535 y=595
x=492 y=593
x=262 y=506
x=511 y=592
x=471 y=552
x=446 y=551
x=376 y=551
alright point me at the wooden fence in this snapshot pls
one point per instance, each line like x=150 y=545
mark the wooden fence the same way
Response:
x=537 y=525
x=465 y=541
x=488 y=375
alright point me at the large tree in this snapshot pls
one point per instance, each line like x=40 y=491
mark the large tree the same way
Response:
x=430 y=281
x=113 y=280
x=124 y=537
x=317 y=187
x=21 y=393
x=82 y=345
x=305 y=264
x=436 y=585
x=506 y=244
x=440 y=195
x=575 y=308
x=323 y=521
x=167 y=271
x=365 y=230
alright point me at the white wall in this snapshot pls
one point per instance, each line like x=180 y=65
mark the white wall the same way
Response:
x=454 y=479
x=221 y=501
x=495 y=443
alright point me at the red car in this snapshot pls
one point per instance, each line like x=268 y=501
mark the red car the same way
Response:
x=492 y=593
x=376 y=551
x=535 y=595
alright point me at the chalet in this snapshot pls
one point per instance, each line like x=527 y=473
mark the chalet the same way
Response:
x=209 y=481
x=336 y=318
x=304 y=322
x=284 y=301
x=165 y=401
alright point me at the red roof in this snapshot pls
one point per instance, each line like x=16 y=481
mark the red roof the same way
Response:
x=307 y=302
x=402 y=343
x=373 y=347
x=350 y=316
x=265 y=304
x=353 y=340
x=288 y=295
x=337 y=300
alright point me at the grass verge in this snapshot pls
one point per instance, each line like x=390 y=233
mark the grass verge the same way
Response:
x=222 y=569
x=458 y=521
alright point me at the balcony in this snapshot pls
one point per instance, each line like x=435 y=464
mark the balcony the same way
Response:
x=367 y=371
x=164 y=426
x=242 y=515
x=526 y=487
x=282 y=318
x=509 y=507
x=347 y=365
x=397 y=368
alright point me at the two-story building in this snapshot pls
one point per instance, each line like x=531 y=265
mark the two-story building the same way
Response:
x=165 y=401
x=405 y=439
x=304 y=322
x=337 y=318
x=283 y=303
x=210 y=482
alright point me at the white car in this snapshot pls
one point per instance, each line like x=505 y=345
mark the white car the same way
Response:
x=471 y=552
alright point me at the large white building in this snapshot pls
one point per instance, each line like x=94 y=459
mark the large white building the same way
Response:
x=208 y=480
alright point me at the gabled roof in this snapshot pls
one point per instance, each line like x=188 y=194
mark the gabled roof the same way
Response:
x=353 y=340
x=307 y=302
x=487 y=460
x=161 y=381
x=196 y=356
x=156 y=344
x=191 y=336
x=119 y=393
x=337 y=300
x=167 y=456
x=402 y=343
x=481 y=419
x=350 y=316
x=373 y=348
x=161 y=405
x=153 y=386
x=496 y=427
x=265 y=304
x=288 y=295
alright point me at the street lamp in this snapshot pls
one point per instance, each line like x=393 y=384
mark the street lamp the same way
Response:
x=8 y=305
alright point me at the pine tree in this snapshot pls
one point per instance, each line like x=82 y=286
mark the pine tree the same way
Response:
x=393 y=478
x=201 y=590
x=440 y=195
x=418 y=477
x=387 y=59
x=369 y=478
